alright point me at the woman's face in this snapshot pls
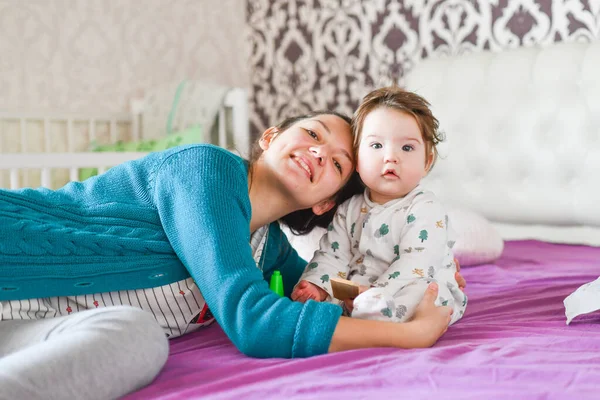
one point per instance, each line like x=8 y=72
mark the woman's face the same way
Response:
x=311 y=160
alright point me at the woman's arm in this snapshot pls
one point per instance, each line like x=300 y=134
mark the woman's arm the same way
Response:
x=427 y=326
x=201 y=194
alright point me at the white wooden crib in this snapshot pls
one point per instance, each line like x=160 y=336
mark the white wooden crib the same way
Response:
x=49 y=149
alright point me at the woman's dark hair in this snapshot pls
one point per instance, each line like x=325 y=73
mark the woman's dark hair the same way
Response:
x=302 y=222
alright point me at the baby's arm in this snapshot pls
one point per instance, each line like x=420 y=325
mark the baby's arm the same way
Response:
x=331 y=260
x=420 y=253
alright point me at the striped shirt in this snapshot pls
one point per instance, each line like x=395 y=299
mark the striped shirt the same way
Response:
x=179 y=307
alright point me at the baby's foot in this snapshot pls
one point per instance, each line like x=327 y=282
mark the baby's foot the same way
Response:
x=305 y=291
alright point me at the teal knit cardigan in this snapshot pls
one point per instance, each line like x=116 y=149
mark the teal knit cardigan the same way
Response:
x=150 y=222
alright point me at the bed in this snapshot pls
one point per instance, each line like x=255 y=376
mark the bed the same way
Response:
x=511 y=344
x=523 y=150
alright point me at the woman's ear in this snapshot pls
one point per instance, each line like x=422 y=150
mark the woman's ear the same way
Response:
x=267 y=137
x=322 y=207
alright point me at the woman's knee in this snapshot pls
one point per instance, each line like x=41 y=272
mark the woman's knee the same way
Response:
x=141 y=329
x=130 y=335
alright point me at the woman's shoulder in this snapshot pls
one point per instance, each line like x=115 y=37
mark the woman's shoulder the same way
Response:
x=205 y=153
x=198 y=167
x=201 y=158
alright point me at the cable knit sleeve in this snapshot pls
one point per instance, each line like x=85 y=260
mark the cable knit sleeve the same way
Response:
x=201 y=194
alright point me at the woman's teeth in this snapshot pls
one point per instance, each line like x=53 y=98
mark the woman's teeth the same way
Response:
x=306 y=167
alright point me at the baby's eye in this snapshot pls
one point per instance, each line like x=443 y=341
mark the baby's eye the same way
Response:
x=337 y=165
x=376 y=145
x=407 y=147
x=312 y=134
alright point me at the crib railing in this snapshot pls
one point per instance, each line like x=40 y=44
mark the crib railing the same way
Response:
x=49 y=149
x=71 y=132
x=28 y=138
x=47 y=162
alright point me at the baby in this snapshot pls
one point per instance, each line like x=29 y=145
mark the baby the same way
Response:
x=395 y=237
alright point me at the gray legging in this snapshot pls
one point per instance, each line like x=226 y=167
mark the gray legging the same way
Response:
x=96 y=354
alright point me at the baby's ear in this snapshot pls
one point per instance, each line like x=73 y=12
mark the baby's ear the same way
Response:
x=267 y=137
x=428 y=163
x=324 y=206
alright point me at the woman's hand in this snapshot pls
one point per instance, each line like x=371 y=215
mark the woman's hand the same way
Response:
x=429 y=322
x=427 y=326
x=462 y=283
x=305 y=291
x=460 y=280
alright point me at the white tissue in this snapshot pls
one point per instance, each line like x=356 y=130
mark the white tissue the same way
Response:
x=583 y=300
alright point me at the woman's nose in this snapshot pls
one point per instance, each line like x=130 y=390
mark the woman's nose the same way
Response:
x=319 y=152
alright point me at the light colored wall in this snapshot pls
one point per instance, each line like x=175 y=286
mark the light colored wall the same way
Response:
x=82 y=55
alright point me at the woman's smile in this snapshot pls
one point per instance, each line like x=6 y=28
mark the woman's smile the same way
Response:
x=305 y=165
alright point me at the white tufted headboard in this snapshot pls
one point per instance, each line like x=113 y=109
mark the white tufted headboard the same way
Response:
x=522 y=138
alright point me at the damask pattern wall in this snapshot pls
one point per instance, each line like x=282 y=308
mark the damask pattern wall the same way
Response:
x=95 y=55
x=326 y=54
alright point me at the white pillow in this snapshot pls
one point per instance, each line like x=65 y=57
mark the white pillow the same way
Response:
x=305 y=245
x=477 y=242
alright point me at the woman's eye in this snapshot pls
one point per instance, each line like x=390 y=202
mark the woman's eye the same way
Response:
x=312 y=134
x=337 y=165
x=407 y=147
x=376 y=145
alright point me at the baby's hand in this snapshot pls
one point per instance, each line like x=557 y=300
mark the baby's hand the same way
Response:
x=305 y=291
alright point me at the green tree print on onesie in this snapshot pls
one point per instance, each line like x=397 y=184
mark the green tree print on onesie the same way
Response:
x=381 y=232
x=394 y=275
x=352 y=229
x=335 y=246
x=330 y=227
x=324 y=278
x=423 y=235
x=410 y=219
x=388 y=310
x=312 y=266
x=397 y=253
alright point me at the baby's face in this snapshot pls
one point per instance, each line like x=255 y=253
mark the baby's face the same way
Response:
x=391 y=154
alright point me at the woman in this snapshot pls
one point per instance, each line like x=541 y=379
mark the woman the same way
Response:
x=153 y=223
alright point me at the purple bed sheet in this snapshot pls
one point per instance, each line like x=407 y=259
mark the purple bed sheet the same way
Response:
x=512 y=343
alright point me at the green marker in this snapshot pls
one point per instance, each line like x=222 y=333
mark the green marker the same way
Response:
x=276 y=283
